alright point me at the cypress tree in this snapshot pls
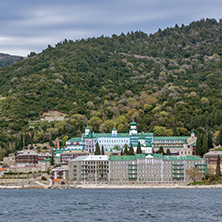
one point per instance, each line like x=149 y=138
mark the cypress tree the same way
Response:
x=16 y=144
x=161 y=150
x=218 y=167
x=209 y=140
x=126 y=152
x=103 y=153
x=198 y=144
x=131 y=151
x=97 y=152
x=21 y=144
x=52 y=159
x=204 y=145
x=138 y=150
x=168 y=152
x=219 y=137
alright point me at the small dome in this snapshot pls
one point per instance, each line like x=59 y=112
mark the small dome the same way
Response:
x=133 y=123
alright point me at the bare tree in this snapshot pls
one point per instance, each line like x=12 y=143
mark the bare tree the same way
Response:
x=194 y=174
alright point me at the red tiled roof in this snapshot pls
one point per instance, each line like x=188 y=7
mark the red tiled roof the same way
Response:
x=1 y=169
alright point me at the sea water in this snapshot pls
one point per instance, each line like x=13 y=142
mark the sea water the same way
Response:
x=111 y=205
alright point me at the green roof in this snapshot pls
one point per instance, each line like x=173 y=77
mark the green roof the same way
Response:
x=109 y=135
x=140 y=156
x=45 y=160
x=157 y=155
x=170 y=158
x=133 y=123
x=75 y=139
x=170 y=137
x=148 y=134
x=117 y=158
x=89 y=136
x=87 y=127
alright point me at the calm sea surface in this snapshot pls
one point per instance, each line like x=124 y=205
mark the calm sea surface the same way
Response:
x=111 y=205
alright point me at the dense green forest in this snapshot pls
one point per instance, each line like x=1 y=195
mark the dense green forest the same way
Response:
x=169 y=82
x=6 y=60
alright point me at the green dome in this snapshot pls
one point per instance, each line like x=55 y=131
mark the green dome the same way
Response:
x=133 y=123
x=87 y=127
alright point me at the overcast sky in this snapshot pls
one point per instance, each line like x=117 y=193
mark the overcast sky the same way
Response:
x=30 y=25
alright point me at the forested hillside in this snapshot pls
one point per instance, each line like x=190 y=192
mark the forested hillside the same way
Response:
x=170 y=82
x=6 y=60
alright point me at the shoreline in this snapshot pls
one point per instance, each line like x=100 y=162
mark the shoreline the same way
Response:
x=91 y=186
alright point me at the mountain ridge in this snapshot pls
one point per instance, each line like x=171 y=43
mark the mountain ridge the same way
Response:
x=169 y=82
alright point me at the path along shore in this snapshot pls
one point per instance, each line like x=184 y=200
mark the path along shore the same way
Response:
x=96 y=186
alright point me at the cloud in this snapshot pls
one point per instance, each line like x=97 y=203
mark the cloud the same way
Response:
x=32 y=25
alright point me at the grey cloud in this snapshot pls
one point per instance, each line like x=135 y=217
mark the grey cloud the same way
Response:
x=32 y=25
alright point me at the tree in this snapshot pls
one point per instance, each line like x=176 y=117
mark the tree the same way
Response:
x=161 y=150
x=209 y=140
x=52 y=159
x=21 y=141
x=168 y=152
x=219 y=137
x=198 y=144
x=194 y=174
x=204 y=148
x=218 y=166
x=64 y=139
x=126 y=152
x=103 y=153
x=138 y=150
x=131 y=151
x=97 y=152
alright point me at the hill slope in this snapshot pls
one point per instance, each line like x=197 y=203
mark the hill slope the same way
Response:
x=170 y=82
x=6 y=60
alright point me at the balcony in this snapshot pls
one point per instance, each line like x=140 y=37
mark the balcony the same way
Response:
x=132 y=168
x=132 y=164
x=178 y=173
x=132 y=173
x=178 y=168
x=178 y=164
x=132 y=177
x=84 y=177
x=178 y=177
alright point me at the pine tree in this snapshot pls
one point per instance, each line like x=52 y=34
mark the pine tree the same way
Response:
x=218 y=167
x=103 y=153
x=168 y=152
x=204 y=148
x=131 y=151
x=138 y=150
x=97 y=152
